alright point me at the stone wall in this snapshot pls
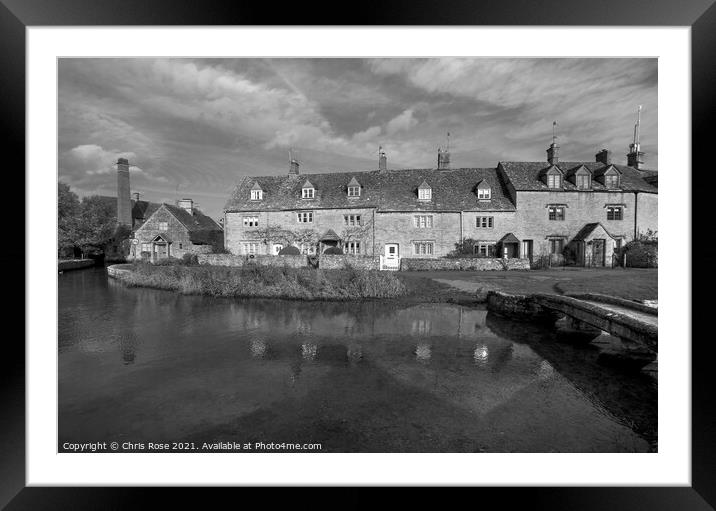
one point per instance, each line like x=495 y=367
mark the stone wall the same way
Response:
x=519 y=307
x=74 y=264
x=334 y=262
x=516 y=264
x=292 y=261
x=466 y=263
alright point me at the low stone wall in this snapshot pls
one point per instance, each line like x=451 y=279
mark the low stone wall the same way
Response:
x=118 y=271
x=519 y=307
x=74 y=264
x=614 y=300
x=463 y=264
x=292 y=261
x=336 y=262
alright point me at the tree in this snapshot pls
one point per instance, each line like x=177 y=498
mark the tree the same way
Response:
x=68 y=206
x=94 y=226
x=466 y=247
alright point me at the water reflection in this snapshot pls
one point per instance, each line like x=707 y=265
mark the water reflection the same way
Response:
x=431 y=377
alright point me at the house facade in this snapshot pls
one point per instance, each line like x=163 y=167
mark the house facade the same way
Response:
x=580 y=212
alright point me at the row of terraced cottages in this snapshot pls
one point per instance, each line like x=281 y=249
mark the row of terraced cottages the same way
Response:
x=585 y=210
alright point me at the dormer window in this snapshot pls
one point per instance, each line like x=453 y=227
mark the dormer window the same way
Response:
x=308 y=191
x=425 y=192
x=611 y=181
x=611 y=177
x=256 y=192
x=581 y=177
x=353 y=188
x=484 y=192
x=552 y=177
x=584 y=182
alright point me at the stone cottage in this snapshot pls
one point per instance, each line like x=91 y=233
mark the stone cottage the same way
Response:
x=553 y=209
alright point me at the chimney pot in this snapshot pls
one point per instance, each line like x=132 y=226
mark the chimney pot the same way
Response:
x=382 y=161
x=443 y=159
x=187 y=205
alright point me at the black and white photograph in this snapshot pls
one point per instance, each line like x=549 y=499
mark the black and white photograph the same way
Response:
x=349 y=255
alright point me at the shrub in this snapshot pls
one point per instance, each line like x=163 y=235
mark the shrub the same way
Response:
x=333 y=251
x=290 y=250
x=168 y=261
x=641 y=254
x=190 y=259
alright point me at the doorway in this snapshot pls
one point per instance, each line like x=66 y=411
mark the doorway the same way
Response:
x=598 y=252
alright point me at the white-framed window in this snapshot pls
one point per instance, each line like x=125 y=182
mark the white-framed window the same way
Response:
x=146 y=247
x=556 y=212
x=485 y=248
x=250 y=247
x=423 y=247
x=556 y=245
x=423 y=221
x=484 y=222
x=425 y=194
x=484 y=193
x=354 y=191
x=251 y=221
x=352 y=247
x=308 y=248
x=308 y=193
x=163 y=226
x=305 y=217
x=554 y=181
x=584 y=182
x=352 y=220
x=611 y=181
x=257 y=194
x=615 y=213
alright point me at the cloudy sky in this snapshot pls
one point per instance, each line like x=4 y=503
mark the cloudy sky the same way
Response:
x=194 y=127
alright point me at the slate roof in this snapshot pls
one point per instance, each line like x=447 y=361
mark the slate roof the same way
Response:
x=386 y=190
x=525 y=176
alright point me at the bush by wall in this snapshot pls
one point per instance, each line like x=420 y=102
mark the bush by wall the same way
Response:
x=335 y=262
x=289 y=250
x=641 y=254
x=292 y=261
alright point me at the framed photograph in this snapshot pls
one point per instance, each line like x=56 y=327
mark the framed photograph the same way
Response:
x=421 y=250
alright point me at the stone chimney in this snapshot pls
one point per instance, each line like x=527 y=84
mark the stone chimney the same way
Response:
x=382 y=160
x=124 y=201
x=136 y=196
x=553 y=154
x=443 y=158
x=635 y=158
x=293 y=167
x=187 y=205
x=604 y=156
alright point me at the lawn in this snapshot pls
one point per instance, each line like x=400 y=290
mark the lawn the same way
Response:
x=629 y=283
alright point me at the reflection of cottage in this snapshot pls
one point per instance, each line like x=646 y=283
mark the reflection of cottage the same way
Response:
x=172 y=231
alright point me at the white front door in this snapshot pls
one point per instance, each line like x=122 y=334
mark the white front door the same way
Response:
x=391 y=250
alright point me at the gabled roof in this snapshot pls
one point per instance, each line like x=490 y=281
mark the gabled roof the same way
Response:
x=509 y=238
x=483 y=184
x=329 y=235
x=588 y=229
x=353 y=182
x=141 y=210
x=525 y=176
x=307 y=184
x=579 y=169
x=424 y=186
x=195 y=221
x=256 y=186
x=611 y=169
x=386 y=190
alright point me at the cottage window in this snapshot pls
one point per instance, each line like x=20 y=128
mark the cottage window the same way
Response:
x=308 y=193
x=556 y=212
x=556 y=245
x=554 y=181
x=584 y=182
x=251 y=221
x=352 y=247
x=424 y=221
x=615 y=213
x=425 y=194
x=484 y=222
x=351 y=220
x=485 y=249
x=163 y=226
x=146 y=247
x=308 y=249
x=423 y=247
x=484 y=193
x=354 y=191
x=257 y=194
x=251 y=248
x=611 y=181
x=305 y=217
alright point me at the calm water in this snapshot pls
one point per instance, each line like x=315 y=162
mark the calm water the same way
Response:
x=139 y=365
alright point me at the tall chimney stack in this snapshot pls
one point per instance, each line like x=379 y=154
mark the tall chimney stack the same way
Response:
x=187 y=205
x=292 y=164
x=124 y=201
x=382 y=159
x=635 y=158
x=553 y=150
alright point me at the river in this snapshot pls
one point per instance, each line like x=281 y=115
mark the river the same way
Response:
x=141 y=365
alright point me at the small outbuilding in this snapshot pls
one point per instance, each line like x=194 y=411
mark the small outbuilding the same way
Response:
x=594 y=246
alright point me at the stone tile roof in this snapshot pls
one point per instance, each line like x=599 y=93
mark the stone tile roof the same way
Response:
x=587 y=230
x=141 y=210
x=202 y=229
x=525 y=176
x=387 y=190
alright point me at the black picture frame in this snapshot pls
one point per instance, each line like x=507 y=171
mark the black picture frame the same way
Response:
x=700 y=15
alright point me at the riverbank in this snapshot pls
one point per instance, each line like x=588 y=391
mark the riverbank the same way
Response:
x=74 y=264
x=263 y=282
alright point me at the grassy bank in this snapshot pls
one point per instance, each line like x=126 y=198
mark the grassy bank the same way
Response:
x=268 y=282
